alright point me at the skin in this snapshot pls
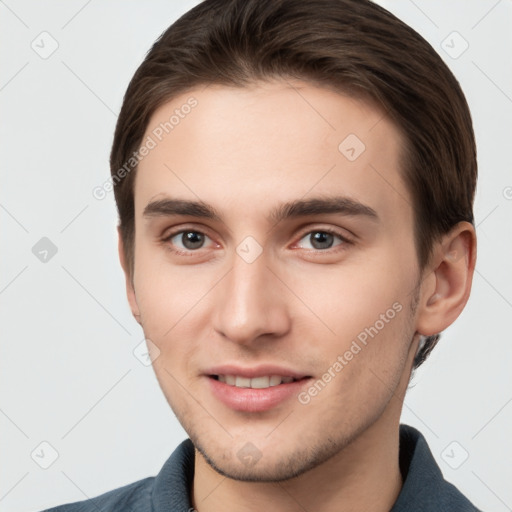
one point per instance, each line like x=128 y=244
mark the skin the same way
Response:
x=299 y=305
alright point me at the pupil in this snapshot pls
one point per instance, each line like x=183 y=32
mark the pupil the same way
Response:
x=192 y=240
x=321 y=240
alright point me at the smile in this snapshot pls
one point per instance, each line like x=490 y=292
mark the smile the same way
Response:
x=262 y=382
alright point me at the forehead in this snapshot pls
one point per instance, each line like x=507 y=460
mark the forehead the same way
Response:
x=249 y=147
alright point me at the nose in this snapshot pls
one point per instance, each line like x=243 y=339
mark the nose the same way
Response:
x=250 y=303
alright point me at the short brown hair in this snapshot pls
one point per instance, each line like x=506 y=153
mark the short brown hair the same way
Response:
x=352 y=46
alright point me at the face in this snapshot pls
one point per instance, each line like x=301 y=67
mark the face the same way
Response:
x=297 y=263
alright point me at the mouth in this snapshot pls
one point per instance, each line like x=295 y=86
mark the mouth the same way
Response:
x=256 y=391
x=261 y=382
x=257 y=388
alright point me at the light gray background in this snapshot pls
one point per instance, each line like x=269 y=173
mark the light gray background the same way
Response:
x=68 y=373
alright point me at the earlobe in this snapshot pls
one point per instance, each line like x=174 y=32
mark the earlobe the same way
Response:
x=446 y=290
x=130 y=290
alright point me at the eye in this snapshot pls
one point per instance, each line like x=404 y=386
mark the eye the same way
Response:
x=322 y=239
x=187 y=240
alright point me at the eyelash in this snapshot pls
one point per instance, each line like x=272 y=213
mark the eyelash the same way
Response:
x=340 y=247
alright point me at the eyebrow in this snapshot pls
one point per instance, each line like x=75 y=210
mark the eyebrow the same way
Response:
x=303 y=207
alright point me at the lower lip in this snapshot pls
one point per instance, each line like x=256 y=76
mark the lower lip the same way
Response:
x=255 y=400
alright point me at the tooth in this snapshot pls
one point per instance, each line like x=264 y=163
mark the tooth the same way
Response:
x=259 y=382
x=256 y=382
x=243 y=382
x=275 y=380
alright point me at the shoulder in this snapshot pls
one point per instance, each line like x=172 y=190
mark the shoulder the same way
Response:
x=425 y=488
x=168 y=490
x=134 y=496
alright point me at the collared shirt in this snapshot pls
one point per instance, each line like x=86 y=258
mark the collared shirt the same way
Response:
x=424 y=488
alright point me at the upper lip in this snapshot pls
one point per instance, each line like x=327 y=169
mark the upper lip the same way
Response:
x=255 y=371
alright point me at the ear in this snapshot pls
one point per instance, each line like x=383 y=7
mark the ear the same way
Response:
x=130 y=290
x=445 y=289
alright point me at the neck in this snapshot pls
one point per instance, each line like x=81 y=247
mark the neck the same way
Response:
x=365 y=475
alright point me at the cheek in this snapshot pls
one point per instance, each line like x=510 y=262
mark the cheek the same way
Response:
x=347 y=299
x=165 y=297
x=172 y=300
x=362 y=324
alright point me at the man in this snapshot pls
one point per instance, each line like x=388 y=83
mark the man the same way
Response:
x=295 y=183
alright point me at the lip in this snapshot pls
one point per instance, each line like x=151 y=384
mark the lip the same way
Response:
x=256 y=371
x=254 y=400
